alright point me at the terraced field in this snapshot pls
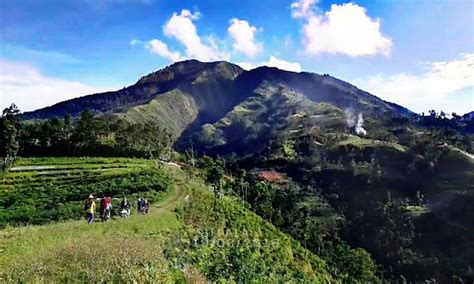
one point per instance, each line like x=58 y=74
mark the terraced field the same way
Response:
x=37 y=191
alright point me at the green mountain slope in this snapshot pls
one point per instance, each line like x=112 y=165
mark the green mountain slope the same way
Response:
x=272 y=111
x=163 y=110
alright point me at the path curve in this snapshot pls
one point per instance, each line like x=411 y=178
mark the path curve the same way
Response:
x=178 y=195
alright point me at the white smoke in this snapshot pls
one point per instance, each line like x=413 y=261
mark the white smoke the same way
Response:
x=350 y=117
x=355 y=122
x=359 y=126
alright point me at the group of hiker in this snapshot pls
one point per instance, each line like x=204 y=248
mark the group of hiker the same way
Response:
x=105 y=209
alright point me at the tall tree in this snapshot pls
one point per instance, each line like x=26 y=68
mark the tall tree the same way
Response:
x=10 y=130
x=84 y=136
x=214 y=176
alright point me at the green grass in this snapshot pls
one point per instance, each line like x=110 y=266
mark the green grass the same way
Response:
x=240 y=239
x=359 y=142
x=82 y=161
x=455 y=174
x=415 y=210
x=122 y=250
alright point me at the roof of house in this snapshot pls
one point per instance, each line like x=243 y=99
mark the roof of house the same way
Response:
x=271 y=176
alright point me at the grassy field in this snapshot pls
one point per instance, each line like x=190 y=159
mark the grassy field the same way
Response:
x=359 y=142
x=182 y=239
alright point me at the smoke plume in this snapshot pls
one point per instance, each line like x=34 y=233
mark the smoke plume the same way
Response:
x=355 y=122
x=359 y=125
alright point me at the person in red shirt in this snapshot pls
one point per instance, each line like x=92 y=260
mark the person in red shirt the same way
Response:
x=105 y=208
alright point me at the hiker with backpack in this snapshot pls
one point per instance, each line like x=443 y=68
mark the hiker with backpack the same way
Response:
x=124 y=208
x=105 y=208
x=145 y=206
x=139 y=205
x=142 y=206
x=89 y=207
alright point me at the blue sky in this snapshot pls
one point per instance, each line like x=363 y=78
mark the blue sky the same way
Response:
x=416 y=53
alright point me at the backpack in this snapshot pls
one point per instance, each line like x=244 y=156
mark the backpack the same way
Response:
x=87 y=205
x=103 y=203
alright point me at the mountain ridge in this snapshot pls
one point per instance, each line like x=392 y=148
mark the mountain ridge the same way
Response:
x=156 y=83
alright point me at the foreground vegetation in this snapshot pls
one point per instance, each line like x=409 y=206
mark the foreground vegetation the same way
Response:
x=187 y=236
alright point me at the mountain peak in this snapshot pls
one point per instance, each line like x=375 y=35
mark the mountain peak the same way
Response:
x=191 y=67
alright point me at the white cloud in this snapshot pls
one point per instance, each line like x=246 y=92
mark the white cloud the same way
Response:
x=283 y=65
x=26 y=87
x=344 y=29
x=181 y=27
x=243 y=35
x=441 y=81
x=273 y=62
x=158 y=47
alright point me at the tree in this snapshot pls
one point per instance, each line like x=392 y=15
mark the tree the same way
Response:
x=84 y=136
x=242 y=185
x=147 y=139
x=10 y=132
x=214 y=176
x=190 y=154
x=442 y=114
x=262 y=196
x=155 y=141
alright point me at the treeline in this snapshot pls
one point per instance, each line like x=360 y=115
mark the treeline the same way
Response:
x=464 y=123
x=87 y=135
x=436 y=127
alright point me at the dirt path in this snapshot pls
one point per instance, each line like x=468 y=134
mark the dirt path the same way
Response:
x=172 y=201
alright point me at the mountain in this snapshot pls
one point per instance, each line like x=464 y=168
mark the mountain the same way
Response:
x=468 y=116
x=358 y=170
x=191 y=98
